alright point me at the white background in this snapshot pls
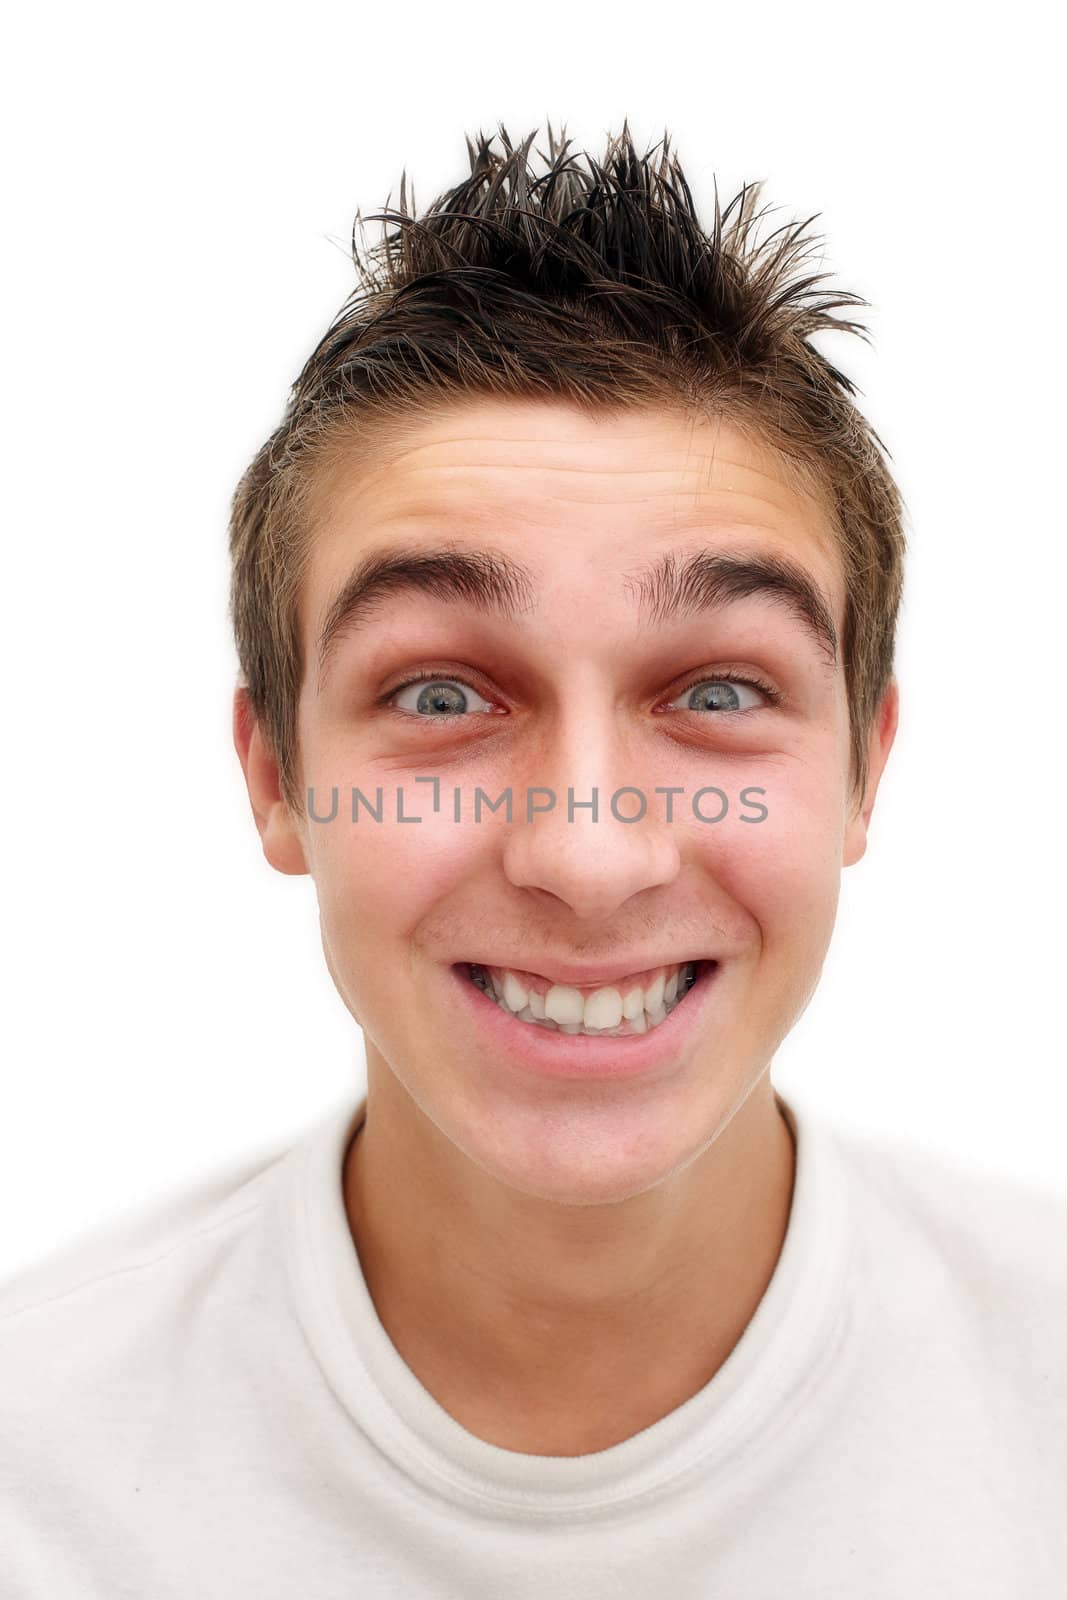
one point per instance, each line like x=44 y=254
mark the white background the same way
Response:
x=179 y=196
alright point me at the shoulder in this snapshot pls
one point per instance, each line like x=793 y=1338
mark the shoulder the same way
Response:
x=981 y=1217
x=943 y=1236
x=120 y=1350
x=74 y=1310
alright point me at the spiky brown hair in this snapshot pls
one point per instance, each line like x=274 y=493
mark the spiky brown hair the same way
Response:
x=596 y=285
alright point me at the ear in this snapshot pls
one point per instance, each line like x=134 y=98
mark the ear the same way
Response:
x=282 y=844
x=883 y=732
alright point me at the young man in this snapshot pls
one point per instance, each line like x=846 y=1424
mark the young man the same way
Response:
x=565 y=599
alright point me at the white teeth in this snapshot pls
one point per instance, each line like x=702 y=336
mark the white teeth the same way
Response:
x=634 y=1003
x=564 y=1004
x=603 y=1009
x=515 y=996
x=607 y=1010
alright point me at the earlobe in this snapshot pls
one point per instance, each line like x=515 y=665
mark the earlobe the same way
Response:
x=282 y=844
x=883 y=732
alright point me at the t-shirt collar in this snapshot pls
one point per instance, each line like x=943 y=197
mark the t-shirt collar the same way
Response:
x=789 y=1344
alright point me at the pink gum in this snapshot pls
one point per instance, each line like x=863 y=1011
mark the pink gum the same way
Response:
x=638 y=980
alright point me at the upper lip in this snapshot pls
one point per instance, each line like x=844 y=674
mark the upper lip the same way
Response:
x=581 y=975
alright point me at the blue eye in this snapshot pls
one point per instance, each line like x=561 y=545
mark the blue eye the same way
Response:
x=436 y=698
x=722 y=694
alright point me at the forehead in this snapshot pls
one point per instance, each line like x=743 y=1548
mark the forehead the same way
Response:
x=567 y=491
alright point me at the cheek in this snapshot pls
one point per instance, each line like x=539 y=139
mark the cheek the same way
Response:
x=374 y=878
x=377 y=882
x=785 y=870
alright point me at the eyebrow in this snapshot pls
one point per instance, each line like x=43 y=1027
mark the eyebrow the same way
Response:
x=675 y=585
x=487 y=579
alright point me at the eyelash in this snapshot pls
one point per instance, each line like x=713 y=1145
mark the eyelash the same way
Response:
x=444 y=676
x=736 y=677
x=773 y=695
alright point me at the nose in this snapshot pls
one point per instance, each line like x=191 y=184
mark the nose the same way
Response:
x=591 y=866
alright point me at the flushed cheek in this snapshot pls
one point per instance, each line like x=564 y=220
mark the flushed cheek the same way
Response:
x=784 y=871
x=378 y=882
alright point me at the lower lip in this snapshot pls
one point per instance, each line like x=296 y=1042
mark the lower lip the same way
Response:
x=550 y=1054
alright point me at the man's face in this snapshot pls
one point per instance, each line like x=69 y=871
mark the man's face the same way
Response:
x=575 y=679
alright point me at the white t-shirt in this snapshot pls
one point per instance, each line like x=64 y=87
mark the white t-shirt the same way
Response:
x=207 y=1406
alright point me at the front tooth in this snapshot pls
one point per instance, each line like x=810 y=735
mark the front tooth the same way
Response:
x=515 y=996
x=654 y=995
x=564 y=1004
x=603 y=1009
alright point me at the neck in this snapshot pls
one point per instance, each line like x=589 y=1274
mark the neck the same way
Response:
x=561 y=1330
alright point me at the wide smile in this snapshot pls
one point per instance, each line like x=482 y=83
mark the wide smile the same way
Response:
x=617 y=1031
x=630 y=1007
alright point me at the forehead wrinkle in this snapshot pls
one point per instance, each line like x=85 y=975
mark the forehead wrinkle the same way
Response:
x=679 y=464
x=495 y=445
x=672 y=502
